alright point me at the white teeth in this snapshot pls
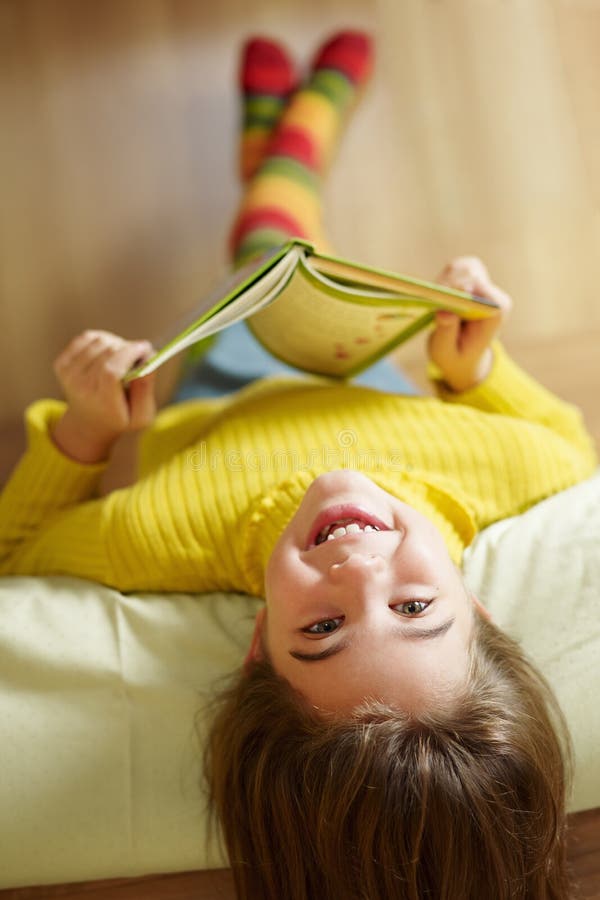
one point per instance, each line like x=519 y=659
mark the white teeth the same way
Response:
x=352 y=528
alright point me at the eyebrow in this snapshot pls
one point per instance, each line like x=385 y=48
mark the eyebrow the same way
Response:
x=406 y=632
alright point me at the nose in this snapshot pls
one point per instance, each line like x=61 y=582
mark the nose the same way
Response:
x=357 y=568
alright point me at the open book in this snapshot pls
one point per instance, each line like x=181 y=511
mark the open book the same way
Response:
x=320 y=313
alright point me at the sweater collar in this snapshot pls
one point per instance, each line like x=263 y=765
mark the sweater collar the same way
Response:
x=444 y=504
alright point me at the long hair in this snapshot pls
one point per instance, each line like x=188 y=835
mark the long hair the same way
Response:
x=466 y=803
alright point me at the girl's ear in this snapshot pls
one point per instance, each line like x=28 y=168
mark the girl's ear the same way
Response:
x=481 y=609
x=255 y=651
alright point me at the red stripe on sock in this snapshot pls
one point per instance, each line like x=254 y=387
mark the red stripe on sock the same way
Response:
x=264 y=217
x=351 y=52
x=293 y=141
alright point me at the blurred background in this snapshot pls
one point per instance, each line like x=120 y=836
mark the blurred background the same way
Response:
x=478 y=134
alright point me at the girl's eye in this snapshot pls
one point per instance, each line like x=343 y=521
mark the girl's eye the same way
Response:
x=327 y=626
x=412 y=607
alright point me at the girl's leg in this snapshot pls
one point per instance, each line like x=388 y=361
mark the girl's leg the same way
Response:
x=267 y=78
x=283 y=199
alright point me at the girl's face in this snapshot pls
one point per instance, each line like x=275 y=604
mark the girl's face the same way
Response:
x=378 y=611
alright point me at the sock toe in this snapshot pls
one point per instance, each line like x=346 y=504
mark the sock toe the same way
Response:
x=349 y=52
x=266 y=68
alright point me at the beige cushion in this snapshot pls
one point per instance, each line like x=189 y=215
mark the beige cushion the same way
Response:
x=100 y=695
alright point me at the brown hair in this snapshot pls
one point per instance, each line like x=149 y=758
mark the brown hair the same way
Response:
x=465 y=803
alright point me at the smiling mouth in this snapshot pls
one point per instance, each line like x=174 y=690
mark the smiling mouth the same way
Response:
x=342 y=521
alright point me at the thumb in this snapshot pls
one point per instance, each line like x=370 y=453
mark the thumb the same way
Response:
x=443 y=340
x=142 y=401
x=480 y=332
x=447 y=320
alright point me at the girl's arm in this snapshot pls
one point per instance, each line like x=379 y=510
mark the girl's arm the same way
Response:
x=471 y=368
x=45 y=525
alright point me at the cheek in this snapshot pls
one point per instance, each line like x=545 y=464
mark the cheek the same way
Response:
x=292 y=587
x=276 y=571
x=283 y=576
x=431 y=543
x=425 y=558
x=425 y=552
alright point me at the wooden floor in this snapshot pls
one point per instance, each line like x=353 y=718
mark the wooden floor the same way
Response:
x=584 y=855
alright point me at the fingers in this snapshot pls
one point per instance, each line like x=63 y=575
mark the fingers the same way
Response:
x=99 y=409
x=83 y=349
x=461 y=348
x=101 y=351
x=469 y=274
x=462 y=272
x=90 y=371
x=457 y=336
x=117 y=361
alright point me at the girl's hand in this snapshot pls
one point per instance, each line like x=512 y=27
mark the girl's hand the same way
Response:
x=100 y=408
x=460 y=348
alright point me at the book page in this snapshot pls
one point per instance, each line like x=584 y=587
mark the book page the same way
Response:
x=353 y=288
x=326 y=331
x=358 y=279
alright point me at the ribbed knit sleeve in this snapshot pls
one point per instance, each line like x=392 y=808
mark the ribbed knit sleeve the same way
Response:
x=510 y=391
x=44 y=490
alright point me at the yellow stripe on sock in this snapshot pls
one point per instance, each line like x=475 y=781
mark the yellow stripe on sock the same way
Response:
x=275 y=190
x=318 y=117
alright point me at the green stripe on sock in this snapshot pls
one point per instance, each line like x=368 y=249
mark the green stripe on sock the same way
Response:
x=259 y=241
x=333 y=85
x=263 y=105
x=264 y=123
x=292 y=169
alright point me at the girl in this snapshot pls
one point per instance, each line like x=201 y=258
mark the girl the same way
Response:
x=384 y=739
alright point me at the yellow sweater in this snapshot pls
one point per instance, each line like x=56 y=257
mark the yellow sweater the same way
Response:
x=220 y=479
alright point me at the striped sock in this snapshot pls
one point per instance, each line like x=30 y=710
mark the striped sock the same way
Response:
x=284 y=197
x=267 y=78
